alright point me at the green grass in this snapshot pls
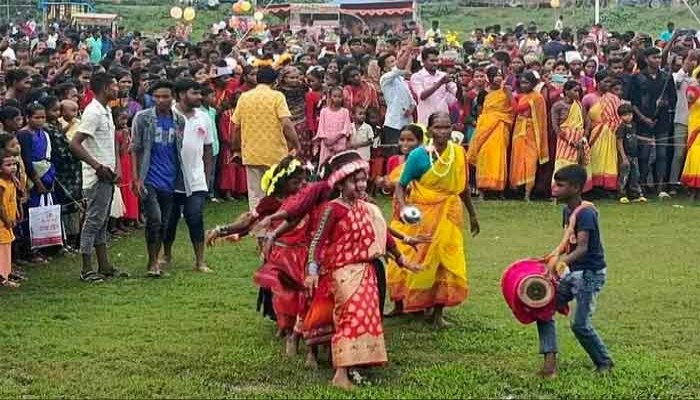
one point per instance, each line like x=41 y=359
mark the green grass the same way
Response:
x=198 y=336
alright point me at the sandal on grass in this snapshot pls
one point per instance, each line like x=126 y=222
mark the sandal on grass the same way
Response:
x=91 y=277
x=17 y=277
x=115 y=273
x=37 y=259
x=9 y=284
x=153 y=274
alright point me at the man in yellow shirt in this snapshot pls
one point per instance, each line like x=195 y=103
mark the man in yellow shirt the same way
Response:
x=263 y=131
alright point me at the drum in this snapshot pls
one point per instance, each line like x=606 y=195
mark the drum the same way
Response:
x=530 y=295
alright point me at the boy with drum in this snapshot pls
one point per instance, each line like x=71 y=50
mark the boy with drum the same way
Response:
x=579 y=261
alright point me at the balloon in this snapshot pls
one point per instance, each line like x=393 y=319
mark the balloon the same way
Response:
x=245 y=6
x=176 y=12
x=233 y=22
x=188 y=14
x=258 y=16
x=237 y=8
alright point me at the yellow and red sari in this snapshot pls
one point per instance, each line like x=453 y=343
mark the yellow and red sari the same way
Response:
x=443 y=279
x=570 y=136
x=349 y=237
x=603 y=142
x=488 y=150
x=530 y=141
x=691 y=171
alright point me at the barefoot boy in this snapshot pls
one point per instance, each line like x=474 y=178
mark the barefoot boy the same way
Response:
x=580 y=262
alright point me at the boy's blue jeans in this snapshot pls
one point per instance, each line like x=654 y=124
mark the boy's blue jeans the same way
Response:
x=584 y=287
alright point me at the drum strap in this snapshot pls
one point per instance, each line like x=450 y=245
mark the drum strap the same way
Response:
x=570 y=230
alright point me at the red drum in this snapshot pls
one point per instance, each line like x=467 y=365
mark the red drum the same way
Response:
x=528 y=292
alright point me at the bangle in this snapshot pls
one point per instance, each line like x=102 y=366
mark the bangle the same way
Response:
x=312 y=268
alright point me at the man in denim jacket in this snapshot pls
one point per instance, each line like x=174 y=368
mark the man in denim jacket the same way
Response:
x=157 y=135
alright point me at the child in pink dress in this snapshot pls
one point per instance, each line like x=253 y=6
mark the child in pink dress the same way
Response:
x=334 y=127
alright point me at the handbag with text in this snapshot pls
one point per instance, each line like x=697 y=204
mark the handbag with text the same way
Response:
x=45 y=228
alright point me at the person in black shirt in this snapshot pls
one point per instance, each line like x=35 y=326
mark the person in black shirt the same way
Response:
x=627 y=149
x=652 y=94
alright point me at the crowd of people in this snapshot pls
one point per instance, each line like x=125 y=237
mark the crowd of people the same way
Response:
x=127 y=132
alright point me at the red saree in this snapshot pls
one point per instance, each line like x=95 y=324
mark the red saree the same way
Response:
x=283 y=274
x=350 y=237
x=232 y=175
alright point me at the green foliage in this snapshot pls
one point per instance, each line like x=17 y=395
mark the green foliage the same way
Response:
x=198 y=336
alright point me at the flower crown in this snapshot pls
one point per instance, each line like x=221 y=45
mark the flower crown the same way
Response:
x=269 y=180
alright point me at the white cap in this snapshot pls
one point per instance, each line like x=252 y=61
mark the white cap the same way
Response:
x=572 y=56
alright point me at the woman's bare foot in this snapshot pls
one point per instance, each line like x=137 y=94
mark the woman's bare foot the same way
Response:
x=441 y=323
x=311 y=362
x=291 y=345
x=438 y=320
x=397 y=311
x=342 y=380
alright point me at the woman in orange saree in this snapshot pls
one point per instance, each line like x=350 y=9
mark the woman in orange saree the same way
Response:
x=604 y=122
x=488 y=150
x=530 y=139
x=351 y=234
x=568 y=124
x=435 y=180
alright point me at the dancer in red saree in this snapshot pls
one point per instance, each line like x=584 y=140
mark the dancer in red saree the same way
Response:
x=350 y=234
x=285 y=249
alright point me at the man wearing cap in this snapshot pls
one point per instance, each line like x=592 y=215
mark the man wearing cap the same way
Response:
x=263 y=133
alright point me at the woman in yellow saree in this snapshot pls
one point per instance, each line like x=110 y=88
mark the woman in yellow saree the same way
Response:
x=690 y=177
x=435 y=180
x=530 y=142
x=604 y=122
x=568 y=124
x=488 y=150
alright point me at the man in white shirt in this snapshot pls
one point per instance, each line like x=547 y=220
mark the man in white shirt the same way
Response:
x=95 y=145
x=399 y=102
x=191 y=190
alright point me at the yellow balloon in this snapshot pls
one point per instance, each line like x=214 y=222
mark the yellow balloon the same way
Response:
x=258 y=16
x=245 y=6
x=176 y=12
x=188 y=14
x=554 y=3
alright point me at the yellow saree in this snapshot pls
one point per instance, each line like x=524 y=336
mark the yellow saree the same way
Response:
x=443 y=280
x=691 y=170
x=604 y=123
x=570 y=135
x=530 y=142
x=488 y=150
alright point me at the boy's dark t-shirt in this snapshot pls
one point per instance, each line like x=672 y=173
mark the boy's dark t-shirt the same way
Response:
x=628 y=134
x=587 y=220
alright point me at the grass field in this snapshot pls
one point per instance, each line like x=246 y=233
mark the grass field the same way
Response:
x=154 y=19
x=198 y=336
